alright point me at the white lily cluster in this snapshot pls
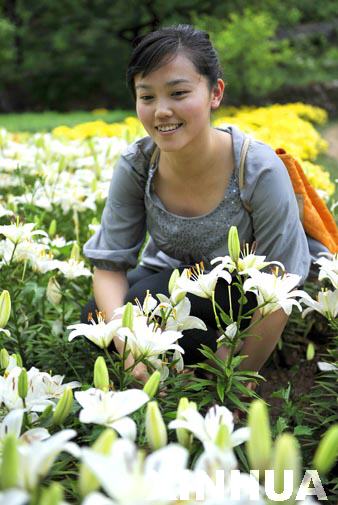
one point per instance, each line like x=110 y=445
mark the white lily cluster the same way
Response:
x=156 y=327
x=43 y=389
x=85 y=165
x=273 y=291
x=163 y=477
x=327 y=299
x=19 y=246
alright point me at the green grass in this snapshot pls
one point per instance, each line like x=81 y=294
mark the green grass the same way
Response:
x=45 y=121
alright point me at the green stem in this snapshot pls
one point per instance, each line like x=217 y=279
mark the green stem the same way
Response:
x=214 y=304
x=24 y=271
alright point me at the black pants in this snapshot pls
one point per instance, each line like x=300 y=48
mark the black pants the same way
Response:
x=142 y=279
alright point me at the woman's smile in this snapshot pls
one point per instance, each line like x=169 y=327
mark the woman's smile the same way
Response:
x=167 y=129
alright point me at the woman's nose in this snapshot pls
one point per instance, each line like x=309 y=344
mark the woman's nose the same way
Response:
x=163 y=110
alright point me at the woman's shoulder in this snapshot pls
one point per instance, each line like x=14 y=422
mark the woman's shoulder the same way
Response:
x=262 y=165
x=138 y=154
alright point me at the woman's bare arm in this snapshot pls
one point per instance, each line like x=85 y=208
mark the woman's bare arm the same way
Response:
x=110 y=289
x=262 y=339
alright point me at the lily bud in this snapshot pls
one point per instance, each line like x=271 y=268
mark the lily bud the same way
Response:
x=234 y=246
x=10 y=462
x=172 y=281
x=151 y=386
x=128 y=316
x=286 y=457
x=87 y=480
x=18 y=358
x=23 y=384
x=5 y=308
x=93 y=185
x=101 y=375
x=327 y=451
x=258 y=447
x=310 y=351
x=184 y=436
x=53 y=291
x=63 y=407
x=52 y=228
x=52 y=496
x=156 y=431
x=75 y=254
x=222 y=439
x=4 y=358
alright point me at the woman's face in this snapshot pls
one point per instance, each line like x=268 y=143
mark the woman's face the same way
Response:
x=174 y=102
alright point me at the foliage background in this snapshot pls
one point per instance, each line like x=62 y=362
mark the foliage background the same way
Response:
x=72 y=54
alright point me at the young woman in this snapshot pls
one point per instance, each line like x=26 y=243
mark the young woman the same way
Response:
x=186 y=194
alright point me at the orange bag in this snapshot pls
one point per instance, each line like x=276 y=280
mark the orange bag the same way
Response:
x=317 y=220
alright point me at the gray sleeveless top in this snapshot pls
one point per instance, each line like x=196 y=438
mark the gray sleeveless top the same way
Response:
x=191 y=239
x=133 y=211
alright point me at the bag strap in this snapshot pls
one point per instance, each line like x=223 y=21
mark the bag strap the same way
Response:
x=154 y=156
x=241 y=177
x=244 y=152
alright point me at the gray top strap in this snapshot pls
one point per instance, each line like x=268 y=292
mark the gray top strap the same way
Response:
x=244 y=152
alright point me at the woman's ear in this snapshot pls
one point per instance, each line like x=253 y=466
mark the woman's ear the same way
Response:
x=217 y=94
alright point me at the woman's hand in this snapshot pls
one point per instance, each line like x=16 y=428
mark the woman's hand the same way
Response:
x=140 y=372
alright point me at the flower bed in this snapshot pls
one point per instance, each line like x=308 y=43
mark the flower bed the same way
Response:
x=75 y=426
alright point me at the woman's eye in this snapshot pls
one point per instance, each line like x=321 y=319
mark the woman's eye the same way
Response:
x=146 y=98
x=179 y=93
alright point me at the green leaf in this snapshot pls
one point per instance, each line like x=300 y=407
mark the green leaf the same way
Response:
x=302 y=430
x=225 y=318
x=281 y=425
x=283 y=394
x=220 y=387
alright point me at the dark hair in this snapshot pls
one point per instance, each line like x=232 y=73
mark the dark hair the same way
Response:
x=159 y=47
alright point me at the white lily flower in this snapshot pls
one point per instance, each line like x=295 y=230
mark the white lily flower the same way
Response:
x=97 y=499
x=329 y=269
x=14 y=497
x=9 y=395
x=178 y=316
x=129 y=479
x=195 y=281
x=247 y=261
x=20 y=232
x=111 y=408
x=230 y=332
x=326 y=304
x=327 y=367
x=149 y=304
x=42 y=388
x=72 y=269
x=36 y=459
x=12 y=424
x=100 y=333
x=50 y=385
x=147 y=340
x=274 y=291
x=206 y=429
x=5 y=212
